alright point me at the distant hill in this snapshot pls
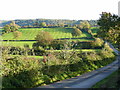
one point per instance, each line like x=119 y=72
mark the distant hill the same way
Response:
x=3 y=22
x=54 y=22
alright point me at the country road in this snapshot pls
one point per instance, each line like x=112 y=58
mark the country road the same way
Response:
x=87 y=80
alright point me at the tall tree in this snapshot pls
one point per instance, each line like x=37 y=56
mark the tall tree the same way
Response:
x=11 y=27
x=84 y=25
x=7 y=28
x=44 y=38
x=109 y=27
x=76 y=32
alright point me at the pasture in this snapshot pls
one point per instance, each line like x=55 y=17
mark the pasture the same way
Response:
x=56 y=33
x=37 y=57
x=18 y=43
x=30 y=33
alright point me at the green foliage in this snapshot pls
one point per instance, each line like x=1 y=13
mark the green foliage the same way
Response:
x=16 y=50
x=43 y=38
x=107 y=48
x=97 y=43
x=106 y=54
x=20 y=72
x=11 y=27
x=109 y=27
x=76 y=32
x=89 y=31
x=7 y=28
x=58 y=44
x=84 y=25
x=93 y=56
x=38 y=50
x=30 y=72
x=43 y=24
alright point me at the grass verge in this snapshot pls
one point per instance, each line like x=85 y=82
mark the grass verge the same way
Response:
x=112 y=81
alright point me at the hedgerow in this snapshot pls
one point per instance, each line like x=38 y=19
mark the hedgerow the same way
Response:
x=27 y=72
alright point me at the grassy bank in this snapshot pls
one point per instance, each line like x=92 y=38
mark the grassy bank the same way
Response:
x=112 y=81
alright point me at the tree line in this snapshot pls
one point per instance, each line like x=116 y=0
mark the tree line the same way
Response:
x=49 y=22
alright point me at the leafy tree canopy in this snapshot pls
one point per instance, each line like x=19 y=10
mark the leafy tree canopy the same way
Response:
x=76 y=32
x=84 y=25
x=44 y=38
x=11 y=27
x=43 y=24
x=109 y=27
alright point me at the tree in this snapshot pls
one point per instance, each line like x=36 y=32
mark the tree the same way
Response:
x=11 y=27
x=84 y=25
x=76 y=32
x=17 y=34
x=7 y=28
x=97 y=43
x=43 y=38
x=43 y=24
x=109 y=28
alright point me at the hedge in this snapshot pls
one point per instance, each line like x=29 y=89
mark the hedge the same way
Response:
x=31 y=72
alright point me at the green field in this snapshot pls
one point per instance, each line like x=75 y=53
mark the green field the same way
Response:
x=17 y=43
x=30 y=33
x=37 y=57
x=94 y=30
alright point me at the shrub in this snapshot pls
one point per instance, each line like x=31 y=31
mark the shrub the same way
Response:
x=85 y=25
x=43 y=24
x=76 y=32
x=43 y=38
x=38 y=50
x=97 y=43
x=107 y=48
x=58 y=44
x=89 y=31
x=106 y=54
x=19 y=72
x=92 y=56
x=11 y=27
x=30 y=72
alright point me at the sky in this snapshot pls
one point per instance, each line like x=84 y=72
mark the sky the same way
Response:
x=56 y=9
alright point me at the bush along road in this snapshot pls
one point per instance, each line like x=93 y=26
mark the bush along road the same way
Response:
x=87 y=80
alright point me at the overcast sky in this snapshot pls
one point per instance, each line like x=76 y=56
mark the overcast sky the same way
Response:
x=56 y=9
